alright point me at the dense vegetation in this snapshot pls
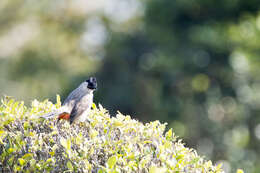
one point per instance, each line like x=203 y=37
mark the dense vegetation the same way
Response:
x=102 y=144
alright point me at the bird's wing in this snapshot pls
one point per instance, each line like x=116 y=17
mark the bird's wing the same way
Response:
x=50 y=114
x=79 y=108
x=75 y=113
x=74 y=96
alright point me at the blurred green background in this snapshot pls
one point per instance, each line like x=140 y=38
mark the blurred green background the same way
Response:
x=192 y=63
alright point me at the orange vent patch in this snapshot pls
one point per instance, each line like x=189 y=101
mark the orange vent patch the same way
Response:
x=64 y=116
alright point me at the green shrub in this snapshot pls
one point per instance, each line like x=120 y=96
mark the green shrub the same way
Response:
x=102 y=144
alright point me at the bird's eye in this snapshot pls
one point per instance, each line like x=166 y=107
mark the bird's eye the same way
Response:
x=93 y=79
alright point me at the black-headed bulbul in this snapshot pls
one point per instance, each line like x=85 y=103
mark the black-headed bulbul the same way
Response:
x=78 y=104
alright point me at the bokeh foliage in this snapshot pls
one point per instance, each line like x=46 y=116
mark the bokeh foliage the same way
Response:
x=191 y=63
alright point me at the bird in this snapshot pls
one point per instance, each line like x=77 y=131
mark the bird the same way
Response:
x=77 y=105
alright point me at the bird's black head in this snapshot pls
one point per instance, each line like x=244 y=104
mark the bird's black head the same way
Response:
x=92 y=83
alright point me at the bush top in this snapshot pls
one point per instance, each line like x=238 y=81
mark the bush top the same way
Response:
x=101 y=144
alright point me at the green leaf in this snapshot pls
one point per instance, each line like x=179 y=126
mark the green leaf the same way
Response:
x=240 y=171
x=10 y=161
x=10 y=150
x=100 y=171
x=195 y=160
x=58 y=102
x=168 y=134
x=94 y=106
x=26 y=125
x=27 y=156
x=155 y=169
x=112 y=161
x=21 y=161
x=66 y=143
x=49 y=160
x=69 y=165
x=17 y=168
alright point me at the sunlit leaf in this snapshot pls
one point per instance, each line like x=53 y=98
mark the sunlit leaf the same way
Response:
x=240 y=171
x=155 y=169
x=112 y=161
x=69 y=165
x=21 y=161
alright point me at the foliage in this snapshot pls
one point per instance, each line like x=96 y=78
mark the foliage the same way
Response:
x=102 y=144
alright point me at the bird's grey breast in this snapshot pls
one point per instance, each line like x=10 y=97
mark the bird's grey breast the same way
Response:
x=86 y=101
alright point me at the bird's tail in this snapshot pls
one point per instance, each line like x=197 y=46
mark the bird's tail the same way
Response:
x=52 y=114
